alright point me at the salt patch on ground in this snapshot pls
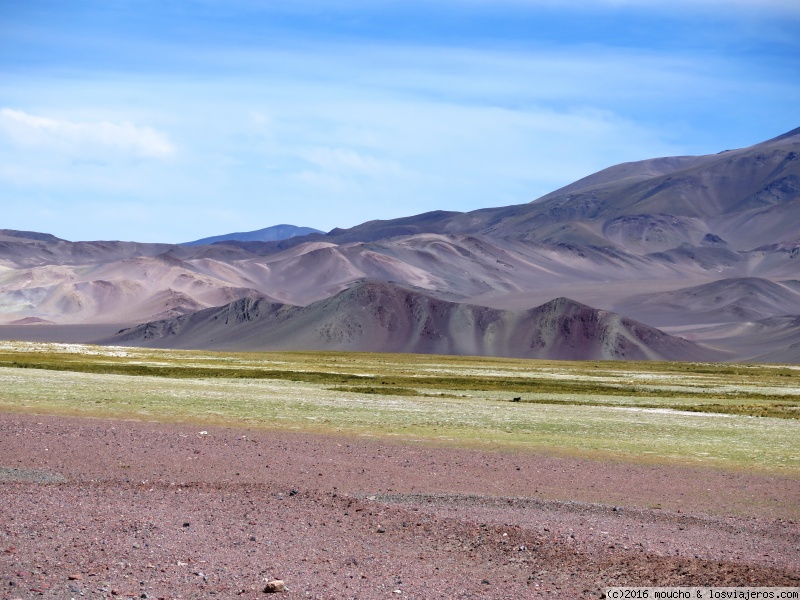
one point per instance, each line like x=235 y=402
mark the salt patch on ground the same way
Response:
x=669 y=411
x=37 y=347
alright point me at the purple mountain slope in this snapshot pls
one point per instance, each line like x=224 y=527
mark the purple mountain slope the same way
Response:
x=382 y=317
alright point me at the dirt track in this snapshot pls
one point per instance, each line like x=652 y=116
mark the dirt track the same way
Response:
x=120 y=508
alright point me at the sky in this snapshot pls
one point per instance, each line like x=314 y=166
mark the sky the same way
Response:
x=173 y=120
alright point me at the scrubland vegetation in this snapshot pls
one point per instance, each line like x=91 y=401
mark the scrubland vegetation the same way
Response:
x=731 y=416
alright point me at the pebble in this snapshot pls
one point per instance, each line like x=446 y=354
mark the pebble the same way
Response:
x=275 y=586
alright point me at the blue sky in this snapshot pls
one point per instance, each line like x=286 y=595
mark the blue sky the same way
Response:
x=174 y=120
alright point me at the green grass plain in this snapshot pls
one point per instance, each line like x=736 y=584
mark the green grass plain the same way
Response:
x=726 y=416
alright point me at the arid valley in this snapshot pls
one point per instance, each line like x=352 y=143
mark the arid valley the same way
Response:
x=598 y=388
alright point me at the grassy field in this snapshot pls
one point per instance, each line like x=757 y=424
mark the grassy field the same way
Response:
x=730 y=416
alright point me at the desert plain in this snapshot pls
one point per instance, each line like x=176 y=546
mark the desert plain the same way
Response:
x=128 y=472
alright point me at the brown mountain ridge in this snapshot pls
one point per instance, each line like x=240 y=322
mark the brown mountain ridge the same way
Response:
x=385 y=317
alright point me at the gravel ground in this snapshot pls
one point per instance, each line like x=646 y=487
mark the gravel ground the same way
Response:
x=105 y=509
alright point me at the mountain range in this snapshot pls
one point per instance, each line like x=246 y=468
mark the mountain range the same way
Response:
x=385 y=317
x=268 y=234
x=705 y=248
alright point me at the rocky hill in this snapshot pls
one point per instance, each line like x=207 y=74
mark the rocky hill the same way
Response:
x=383 y=317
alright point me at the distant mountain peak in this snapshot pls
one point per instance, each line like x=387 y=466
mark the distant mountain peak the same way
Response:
x=274 y=233
x=30 y=235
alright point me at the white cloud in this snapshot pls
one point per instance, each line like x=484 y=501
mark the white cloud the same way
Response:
x=335 y=134
x=88 y=138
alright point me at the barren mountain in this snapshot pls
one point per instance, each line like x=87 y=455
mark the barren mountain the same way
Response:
x=739 y=199
x=772 y=340
x=92 y=282
x=120 y=285
x=383 y=317
x=673 y=242
x=268 y=234
x=724 y=301
x=14 y=236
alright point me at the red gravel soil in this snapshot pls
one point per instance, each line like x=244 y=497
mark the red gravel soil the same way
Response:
x=108 y=509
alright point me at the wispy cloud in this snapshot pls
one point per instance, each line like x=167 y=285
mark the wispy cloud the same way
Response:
x=329 y=114
x=84 y=137
x=348 y=161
